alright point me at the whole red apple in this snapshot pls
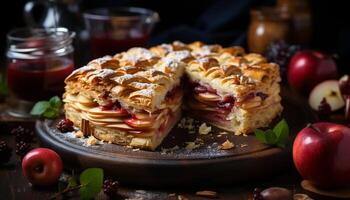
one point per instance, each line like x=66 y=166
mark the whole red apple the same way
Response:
x=42 y=166
x=321 y=154
x=308 y=68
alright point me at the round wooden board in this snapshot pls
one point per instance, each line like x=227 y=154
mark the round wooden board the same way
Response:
x=172 y=164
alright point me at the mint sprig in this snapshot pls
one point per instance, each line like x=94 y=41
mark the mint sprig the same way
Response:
x=278 y=136
x=91 y=181
x=47 y=109
x=89 y=185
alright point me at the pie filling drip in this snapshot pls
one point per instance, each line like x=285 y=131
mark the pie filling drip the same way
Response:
x=202 y=97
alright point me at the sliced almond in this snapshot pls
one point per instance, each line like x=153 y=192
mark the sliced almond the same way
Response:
x=207 y=193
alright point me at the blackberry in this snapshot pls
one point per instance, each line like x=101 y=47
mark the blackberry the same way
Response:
x=22 y=148
x=22 y=134
x=281 y=52
x=65 y=125
x=110 y=188
x=5 y=152
x=324 y=110
x=257 y=194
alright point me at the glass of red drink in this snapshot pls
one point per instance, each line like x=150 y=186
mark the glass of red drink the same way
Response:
x=38 y=61
x=113 y=30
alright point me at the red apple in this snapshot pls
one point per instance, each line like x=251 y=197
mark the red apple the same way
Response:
x=308 y=68
x=321 y=154
x=42 y=166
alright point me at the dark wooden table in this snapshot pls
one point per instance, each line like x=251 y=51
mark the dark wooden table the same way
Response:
x=13 y=184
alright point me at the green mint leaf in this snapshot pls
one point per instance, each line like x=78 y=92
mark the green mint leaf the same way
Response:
x=260 y=135
x=55 y=102
x=277 y=137
x=40 y=108
x=91 y=180
x=50 y=113
x=270 y=137
x=282 y=132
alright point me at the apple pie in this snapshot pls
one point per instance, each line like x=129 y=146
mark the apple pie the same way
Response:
x=135 y=97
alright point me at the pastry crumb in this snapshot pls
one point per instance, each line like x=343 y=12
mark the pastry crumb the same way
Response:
x=204 y=129
x=191 y=145
x=244 y=145
x=227 y=145
x=91 y=141
x=180 y=197
x=207 y=193
x=171 y=195
x=136 y=149
x=79 y=134
x=223 y=133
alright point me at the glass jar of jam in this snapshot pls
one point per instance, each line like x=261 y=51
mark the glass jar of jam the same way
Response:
x=267 y=25
x=38 y=61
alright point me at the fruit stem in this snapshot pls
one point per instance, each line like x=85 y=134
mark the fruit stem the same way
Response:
x=309 y=125
x=68 y=189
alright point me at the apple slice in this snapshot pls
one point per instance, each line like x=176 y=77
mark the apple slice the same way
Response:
x=208 y=97
x=137 y=123
x=328 y=90
x=344 y=86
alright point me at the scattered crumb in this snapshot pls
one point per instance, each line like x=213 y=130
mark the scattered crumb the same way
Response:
x=135 y=149
x=245 y=135
x=218 y=135
x=238 y=133
x=204 y=129
x=165 y=151
x=227 y=145
x=187 y=123
x=207 y=193
x=110 y=142
x=244 y=145
x=129 y=147
x=79 y=134
x=91 y=141
x=171 y=195
x=191 y=145
x=223 y=133
x=180 y=197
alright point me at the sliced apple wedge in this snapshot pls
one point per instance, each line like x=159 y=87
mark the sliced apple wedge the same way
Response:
x=116 y=113
x=328 y=90
x=137 y=123
x=207 y=97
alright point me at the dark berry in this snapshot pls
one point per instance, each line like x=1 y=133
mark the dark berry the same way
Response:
x=257 y=194
x=110 y=188
x=22 y=148
x=281 y=52
x=277 y=193
x=22 y=134
x=5 y=152
x=324 y=109
x=65 y=125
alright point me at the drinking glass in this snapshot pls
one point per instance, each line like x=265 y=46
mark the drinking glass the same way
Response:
x=112 y=30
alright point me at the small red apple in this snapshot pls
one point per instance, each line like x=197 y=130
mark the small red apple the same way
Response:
x=308 y=68
x=321 y=154
x=42 y=166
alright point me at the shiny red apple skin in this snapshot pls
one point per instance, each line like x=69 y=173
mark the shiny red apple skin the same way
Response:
x=308 y=68
x=42 y=167
x=321 y=154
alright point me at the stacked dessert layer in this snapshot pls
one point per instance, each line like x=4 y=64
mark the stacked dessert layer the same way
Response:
x=134 y=98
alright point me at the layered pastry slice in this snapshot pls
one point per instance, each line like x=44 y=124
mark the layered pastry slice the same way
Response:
x=232 y=90
x=133 y=98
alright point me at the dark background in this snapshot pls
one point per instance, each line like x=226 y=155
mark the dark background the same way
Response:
x=213 y=21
